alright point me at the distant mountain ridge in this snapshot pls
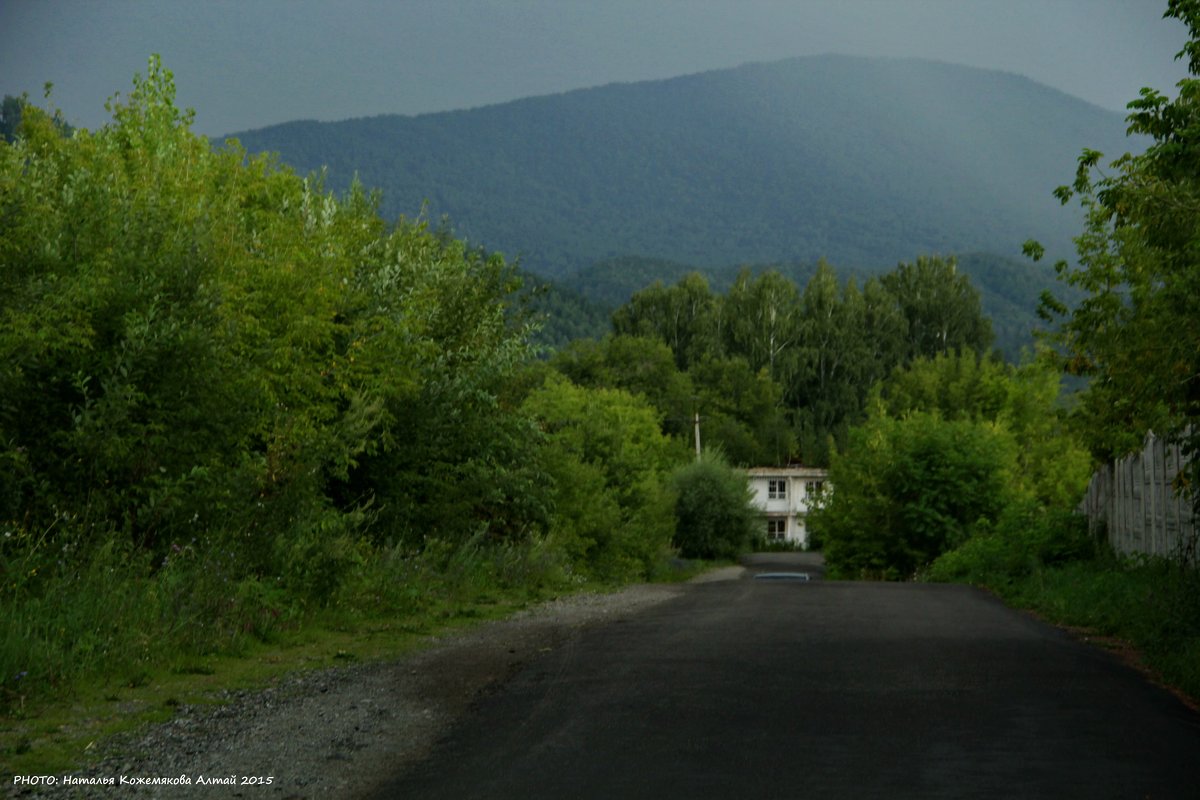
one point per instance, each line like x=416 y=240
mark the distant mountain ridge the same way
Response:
x=865 y=162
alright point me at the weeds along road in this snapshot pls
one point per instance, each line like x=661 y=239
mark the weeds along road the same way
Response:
x=779 y=689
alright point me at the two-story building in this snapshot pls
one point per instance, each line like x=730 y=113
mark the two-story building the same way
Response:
x=785 y=495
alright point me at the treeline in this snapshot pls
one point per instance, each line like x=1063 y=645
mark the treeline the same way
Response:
x=1009 y=291
x=777 y=373
x=229 y=399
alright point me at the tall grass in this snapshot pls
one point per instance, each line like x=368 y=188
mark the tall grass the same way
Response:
x=110 y=614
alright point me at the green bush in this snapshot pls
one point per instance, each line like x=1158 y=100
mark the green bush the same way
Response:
x=1024 y=538
x=906 y=491
x=714 y=515
x=606 y=457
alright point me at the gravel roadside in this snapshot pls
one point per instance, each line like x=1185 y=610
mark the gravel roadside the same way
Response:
x=336 y=732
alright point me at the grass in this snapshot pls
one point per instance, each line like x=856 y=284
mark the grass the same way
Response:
x=1149 y=608
x=105 y=646
x=1151 y=604
x=50 y=735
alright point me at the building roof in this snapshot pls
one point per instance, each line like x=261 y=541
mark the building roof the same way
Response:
x=791 y=471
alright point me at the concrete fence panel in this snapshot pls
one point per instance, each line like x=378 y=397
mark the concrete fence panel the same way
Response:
x=1135 y=501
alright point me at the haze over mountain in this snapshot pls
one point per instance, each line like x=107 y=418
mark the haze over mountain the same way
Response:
x=864 y=162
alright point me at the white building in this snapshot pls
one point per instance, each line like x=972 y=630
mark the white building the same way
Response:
x=785 y=495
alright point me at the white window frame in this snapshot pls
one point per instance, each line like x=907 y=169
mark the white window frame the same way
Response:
x=777 y=488
x=777 y=528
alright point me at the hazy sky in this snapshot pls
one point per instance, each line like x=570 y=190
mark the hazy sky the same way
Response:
x=249 y=63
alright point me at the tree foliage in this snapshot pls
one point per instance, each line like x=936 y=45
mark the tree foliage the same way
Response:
x=739 y=408
x=941 y=306
x=907 y=490
x=760 y=321
x=1136 y=333
x=563 y=313
x=714 y=515
x=1009 y=289
x=1053 y=464
x=607 y=459
x=682 y=316
x=201 y=347
x=10 y=116
x=818 y=351
x=954 y=444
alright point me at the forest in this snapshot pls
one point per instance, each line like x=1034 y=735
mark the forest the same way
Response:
x=580 y=305
x=235 y=404
x=778 y=374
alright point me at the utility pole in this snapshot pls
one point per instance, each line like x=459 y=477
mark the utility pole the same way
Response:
x=697 y=420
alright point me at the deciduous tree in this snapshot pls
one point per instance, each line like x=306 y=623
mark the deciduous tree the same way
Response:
x=714 y=516
x=1136 y=333
x=681 y=316
x=907 y=490
x=941 y=307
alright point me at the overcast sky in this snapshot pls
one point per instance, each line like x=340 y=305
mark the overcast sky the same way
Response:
x=248 y=63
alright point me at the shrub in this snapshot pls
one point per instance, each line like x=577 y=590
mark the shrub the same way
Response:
x=605 y=456
x=909 y=490
x=1023 y=538
x=714 y=516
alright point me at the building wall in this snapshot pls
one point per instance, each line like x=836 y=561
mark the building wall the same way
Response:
x=794 y=505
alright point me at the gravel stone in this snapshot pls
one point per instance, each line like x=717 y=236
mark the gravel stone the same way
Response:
x=338 y=732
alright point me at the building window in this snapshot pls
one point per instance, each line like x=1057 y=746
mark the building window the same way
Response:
x=776 y=529
x=777 y=489
x=814 y=487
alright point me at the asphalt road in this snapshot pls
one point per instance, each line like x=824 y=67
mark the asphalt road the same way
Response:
x=748 y=688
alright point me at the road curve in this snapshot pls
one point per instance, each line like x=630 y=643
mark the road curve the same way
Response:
x=778 y=689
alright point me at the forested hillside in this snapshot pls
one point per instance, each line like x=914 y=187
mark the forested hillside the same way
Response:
x=864 y=162
x=1009 y=291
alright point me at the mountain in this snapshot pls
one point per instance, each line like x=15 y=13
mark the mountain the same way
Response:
x=865 y=162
